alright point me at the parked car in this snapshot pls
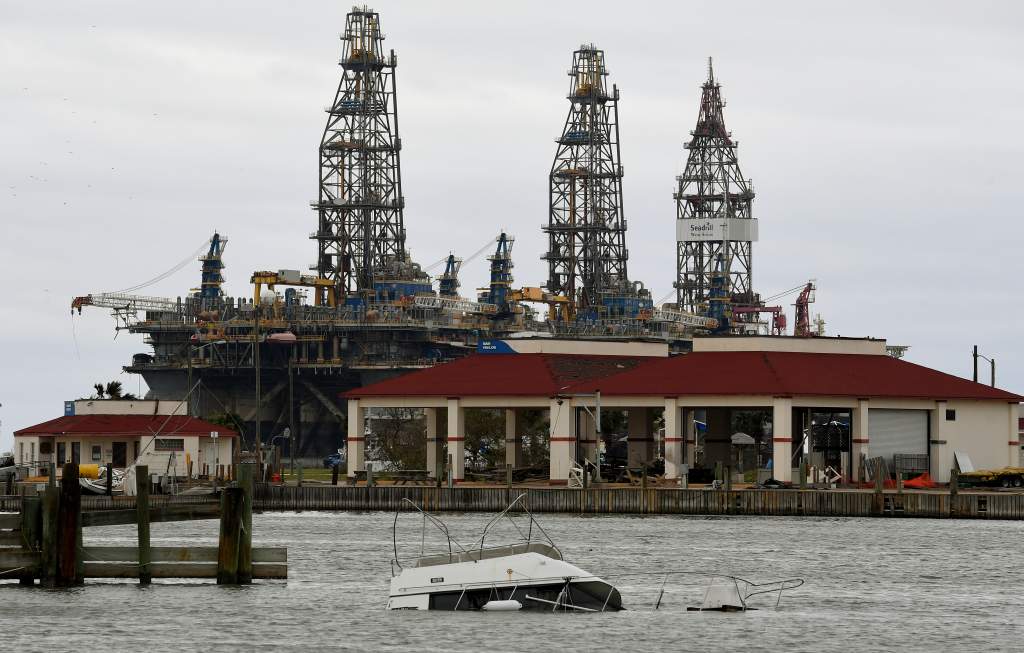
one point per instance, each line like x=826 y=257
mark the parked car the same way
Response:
x=334 y=459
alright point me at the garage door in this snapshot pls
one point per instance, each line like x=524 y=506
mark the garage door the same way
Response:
x=897 y=431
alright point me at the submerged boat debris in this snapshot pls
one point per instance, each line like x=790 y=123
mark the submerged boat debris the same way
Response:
x=531 y=574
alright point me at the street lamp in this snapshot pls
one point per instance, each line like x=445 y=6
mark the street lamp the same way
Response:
x=992 y=363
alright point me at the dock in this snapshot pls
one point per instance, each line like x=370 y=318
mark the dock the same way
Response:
x=650 y=501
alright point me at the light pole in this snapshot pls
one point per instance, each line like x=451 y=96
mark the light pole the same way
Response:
x=992 y=364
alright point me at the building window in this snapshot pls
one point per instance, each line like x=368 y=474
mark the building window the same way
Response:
x=169 y=444
x=96 y=453
x=21 y=452
x=32 y=452
x=45 y=448
x=950 y=414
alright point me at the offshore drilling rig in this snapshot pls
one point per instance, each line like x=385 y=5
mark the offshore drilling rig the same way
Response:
x=277 y=359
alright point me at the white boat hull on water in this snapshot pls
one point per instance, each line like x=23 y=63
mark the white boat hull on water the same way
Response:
x=531 y=579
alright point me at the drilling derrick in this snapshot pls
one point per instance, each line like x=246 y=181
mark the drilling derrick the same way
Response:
x=713 y=211
x=361 y=232
x=586 y=229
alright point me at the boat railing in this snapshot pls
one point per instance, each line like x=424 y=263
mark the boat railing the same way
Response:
x=478 y=550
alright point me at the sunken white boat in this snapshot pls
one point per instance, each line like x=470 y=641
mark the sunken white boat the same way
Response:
x=528 y=574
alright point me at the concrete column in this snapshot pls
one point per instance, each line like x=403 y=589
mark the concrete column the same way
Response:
x=355 y=450
x=673 y=439
x=1014 y=437
x=588 y=435
x=690 y=431
x=782 y=438
x=457 y=439
x=562 y=440
x=860 y=434
x=434 y=443
x=513 y=441
x=640 y=441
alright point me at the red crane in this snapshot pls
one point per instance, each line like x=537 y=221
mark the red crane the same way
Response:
x=802 y=328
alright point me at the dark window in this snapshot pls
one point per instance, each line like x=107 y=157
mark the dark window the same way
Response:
x=950 y=414
x=46 y=448
x=169 y=444
x=96 y=453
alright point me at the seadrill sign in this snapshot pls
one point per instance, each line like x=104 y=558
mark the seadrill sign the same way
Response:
x=701 y=229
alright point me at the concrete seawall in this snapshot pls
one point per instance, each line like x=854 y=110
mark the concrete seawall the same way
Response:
x=823 y=503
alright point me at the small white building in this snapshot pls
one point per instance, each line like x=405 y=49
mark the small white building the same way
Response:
x=125 y=433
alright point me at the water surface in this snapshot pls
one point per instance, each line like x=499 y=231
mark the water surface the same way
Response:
x=871 y=585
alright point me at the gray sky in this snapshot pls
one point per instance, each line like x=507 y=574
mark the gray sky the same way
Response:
x=884 y=140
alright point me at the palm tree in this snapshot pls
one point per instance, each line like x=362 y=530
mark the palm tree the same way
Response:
x=112 y=390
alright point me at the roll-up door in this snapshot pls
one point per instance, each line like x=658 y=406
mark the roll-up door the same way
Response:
x=897 y=432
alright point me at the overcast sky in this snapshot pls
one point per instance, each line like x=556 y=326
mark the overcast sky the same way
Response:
x=885 y=141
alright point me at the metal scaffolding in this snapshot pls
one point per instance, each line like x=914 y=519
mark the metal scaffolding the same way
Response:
x=713 y=212
x=586 y=229
x=361 y=230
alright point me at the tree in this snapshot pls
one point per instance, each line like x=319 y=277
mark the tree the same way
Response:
x=112 y=390
x=396 y=439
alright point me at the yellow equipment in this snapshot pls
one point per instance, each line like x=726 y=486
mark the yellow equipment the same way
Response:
x=559 y=306
x=324 y=290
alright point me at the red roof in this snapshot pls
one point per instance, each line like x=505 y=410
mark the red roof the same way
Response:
x=127 y=426
x=499 y=375
x=703 y=373
x=792 y=373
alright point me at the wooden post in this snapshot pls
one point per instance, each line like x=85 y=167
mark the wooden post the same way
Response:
x=879 y=486
x=300 y=474
x=369 y=474
x=230 y=530
x=48 y=552
x=508 y=475
x=110 y=479
x=31 y=532
x=142 y=519
x=9 y=484
x=727 y=477
x=69 y=522
x=718 y=471
x=954 y=490
x=803 y=474
x=246 y=474
x=334 y=475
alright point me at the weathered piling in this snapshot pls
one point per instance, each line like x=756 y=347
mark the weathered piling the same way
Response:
x=48 y=548
x=231 y=500
x=246 y=482
x=142 y=519
x=68 y=528
x=31 y=533
x=110 y=479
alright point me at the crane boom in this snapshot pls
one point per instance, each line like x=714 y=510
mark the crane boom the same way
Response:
x=124 y=302
x=454 y=304
x=684 y=318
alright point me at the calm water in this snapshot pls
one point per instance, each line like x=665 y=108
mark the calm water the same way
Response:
x=872 y=584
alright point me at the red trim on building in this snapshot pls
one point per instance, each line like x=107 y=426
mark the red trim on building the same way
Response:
x=675 y=439
x=861 y=440
x=455 y=438
x=356 y=439
x=1014 y=443
x=561 y=439
x=782 y=439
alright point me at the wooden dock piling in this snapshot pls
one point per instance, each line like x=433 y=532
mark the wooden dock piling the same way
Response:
x=69 y=524
x=142 y=519
x=231 y=499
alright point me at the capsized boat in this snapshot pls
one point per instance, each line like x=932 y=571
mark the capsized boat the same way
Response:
x=528 y=574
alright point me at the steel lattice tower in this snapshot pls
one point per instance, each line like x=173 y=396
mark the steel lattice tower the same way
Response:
x=586 y=229
x=713 y=211
x=361 y=230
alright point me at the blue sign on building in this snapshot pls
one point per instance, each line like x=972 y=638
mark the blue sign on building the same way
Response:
x=69 y=408
x=494 y=347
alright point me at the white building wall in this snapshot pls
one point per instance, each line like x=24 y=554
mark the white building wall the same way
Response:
x=981 y=430
x=135 y=407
